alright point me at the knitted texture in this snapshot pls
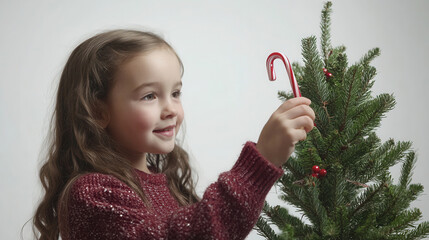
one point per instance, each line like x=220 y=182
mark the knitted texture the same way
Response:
x=103 y=207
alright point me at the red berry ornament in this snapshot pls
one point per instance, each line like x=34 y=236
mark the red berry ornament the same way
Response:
x=327 y=74
x=317 y=172
x=322 y=172
x=315 y=169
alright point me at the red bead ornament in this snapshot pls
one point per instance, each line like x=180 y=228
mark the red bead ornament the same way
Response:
x=317 y=172
x=322 y=172
x=315 y=169
x=327 y=74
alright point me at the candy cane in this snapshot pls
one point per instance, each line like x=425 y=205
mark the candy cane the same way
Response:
x=272 y=75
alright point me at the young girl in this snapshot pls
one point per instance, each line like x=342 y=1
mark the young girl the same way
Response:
x=114 y=169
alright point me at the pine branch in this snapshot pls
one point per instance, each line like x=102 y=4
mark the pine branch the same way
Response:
x=299 y=72
x=394 y=155
x=397 y=200
x=368 y=196
x=420 y=232
x=325 y=108
x=414 y=190
x=349 y=84
x=366 y=229
x=382 y=159
x=318 y=142
x=308 y=154
x=354 y=156
x=312 y=70
x=370 y=117
x=305 y=199
x=295 y=196
x=283 y=96
x=368 y=73
x=313 y=85
x=369 y=56
x=337 y=65
x=294 y=167
x=406 y=174
x=281 y=217
x=325 y=27
x=265 y=230
x=402 y=221
x=331 y=138
x=365 y=170
x=391 y=200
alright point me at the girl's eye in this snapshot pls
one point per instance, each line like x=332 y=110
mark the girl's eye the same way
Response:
x=148 y=97
x=177 y=94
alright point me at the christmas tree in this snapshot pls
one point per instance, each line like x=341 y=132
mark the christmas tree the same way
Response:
x=338 y=178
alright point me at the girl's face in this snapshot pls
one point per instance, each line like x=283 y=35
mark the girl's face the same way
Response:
x=144 y=99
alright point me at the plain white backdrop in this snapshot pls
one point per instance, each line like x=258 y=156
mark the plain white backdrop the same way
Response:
x=226 y=93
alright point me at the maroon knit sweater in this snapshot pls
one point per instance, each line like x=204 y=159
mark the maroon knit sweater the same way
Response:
x=103 y=207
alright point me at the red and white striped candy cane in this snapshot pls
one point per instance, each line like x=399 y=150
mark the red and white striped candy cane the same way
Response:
x=272 y=75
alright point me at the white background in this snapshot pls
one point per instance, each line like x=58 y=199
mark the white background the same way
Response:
x=226 y=94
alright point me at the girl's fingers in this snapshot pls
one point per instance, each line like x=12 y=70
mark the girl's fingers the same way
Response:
x=300 y=135
x=302 y=123
x=298 y=111
x=291 y=103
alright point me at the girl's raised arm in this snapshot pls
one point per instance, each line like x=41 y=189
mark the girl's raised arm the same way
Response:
x=102 y=207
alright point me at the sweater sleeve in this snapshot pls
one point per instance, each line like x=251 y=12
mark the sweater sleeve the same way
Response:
x=102 y=207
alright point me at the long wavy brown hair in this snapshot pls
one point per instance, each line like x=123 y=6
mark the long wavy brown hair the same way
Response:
x=78 y=144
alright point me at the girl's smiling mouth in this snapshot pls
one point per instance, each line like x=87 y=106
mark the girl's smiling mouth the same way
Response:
x=167 y=132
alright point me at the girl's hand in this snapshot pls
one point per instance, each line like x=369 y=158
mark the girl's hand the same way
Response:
x=289 y=124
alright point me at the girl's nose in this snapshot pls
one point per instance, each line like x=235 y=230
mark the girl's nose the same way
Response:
x=169 y=109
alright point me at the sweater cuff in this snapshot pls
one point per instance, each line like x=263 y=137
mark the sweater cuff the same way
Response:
x=255 y=170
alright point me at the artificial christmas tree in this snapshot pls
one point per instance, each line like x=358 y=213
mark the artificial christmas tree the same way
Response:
x=354 y=197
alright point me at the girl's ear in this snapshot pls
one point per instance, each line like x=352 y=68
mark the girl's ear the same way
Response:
x=102 y=114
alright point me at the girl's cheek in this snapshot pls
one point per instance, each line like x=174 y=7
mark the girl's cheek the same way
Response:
x=143 y=120
x=180 y=117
